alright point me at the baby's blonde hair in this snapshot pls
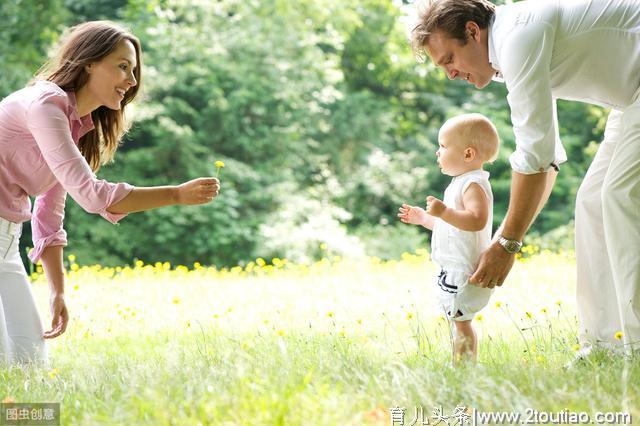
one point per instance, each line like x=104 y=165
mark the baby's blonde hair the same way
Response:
x=475 y=131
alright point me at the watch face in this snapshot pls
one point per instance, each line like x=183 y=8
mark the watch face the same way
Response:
x=512 y=246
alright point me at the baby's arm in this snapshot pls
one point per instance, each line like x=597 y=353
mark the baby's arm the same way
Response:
x=474 y=215
x=415 y=216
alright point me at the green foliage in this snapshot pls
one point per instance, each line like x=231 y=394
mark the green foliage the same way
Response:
x=315 y=104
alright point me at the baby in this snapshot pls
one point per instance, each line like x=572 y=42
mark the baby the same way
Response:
x=461 y=223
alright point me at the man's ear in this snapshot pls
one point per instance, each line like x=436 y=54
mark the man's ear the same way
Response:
x=473 y=30
x=88 y=68
x=470 y=154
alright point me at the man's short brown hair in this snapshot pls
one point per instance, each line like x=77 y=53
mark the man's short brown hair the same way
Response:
x=450 y=17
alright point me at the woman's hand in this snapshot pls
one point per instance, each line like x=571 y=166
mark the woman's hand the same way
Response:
x=198 y=191
x=59 y=316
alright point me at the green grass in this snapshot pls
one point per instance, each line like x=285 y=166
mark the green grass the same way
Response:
x=335 y=344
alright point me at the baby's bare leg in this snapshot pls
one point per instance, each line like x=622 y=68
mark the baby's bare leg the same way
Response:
x=464 y=342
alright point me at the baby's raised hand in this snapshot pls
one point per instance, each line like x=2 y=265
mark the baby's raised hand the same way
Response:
x=412 y=215
x=435 y=207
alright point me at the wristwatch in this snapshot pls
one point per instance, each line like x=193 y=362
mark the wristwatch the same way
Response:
x=510 y=246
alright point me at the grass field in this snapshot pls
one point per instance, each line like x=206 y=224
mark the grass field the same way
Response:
x=340 y=342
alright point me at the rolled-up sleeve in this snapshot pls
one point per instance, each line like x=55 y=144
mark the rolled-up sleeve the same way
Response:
x=525 y=60
x=46 y=222
x=49 y=126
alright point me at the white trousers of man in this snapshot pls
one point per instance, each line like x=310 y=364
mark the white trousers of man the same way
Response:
x=608 y=238
x=21 y=330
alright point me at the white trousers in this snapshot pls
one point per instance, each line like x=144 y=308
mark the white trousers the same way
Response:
x=608 y=237
x=20 y=326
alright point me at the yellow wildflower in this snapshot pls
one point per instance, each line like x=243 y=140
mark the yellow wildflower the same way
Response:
x=53 y=373
x=618 y=335
x=219 y=164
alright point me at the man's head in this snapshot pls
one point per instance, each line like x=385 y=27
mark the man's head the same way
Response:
x=466 y=142
x=454 y=34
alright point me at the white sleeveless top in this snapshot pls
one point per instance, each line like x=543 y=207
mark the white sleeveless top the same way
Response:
x=451 y=248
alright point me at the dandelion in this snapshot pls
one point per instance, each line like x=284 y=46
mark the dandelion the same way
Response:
x=498 y=304
x=176 y=300
x=219 y=164
x=281 y=332
x=618 y=335
x=330 y=314
x=71 y=257
x=342 y=333
x=359 y=321
x=479 y=317
x=543 y=310
x=559 y=303
x=53 y=373
x=529 y=314
x=409 y=315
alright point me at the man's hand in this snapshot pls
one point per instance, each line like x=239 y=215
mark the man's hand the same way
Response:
x=435 y=207
x=412 y=215
x=493 y=267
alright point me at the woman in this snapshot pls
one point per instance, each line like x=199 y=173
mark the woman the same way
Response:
x=54 y=134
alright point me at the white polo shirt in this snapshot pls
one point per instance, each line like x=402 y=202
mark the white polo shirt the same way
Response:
x=583 y=50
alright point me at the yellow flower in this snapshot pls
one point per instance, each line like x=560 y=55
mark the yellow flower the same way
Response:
x=529 y=314
x=53 y=373
x=409 y=315
x=219 y=164
x=576 y=347
x=176 y=300
x=543 y=310
x=71 y=257
x=330 y=314
x=479 y=317
x=281 y=332
x=618 y=335
x=498 y=304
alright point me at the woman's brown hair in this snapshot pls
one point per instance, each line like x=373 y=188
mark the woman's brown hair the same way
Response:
x=83 y=45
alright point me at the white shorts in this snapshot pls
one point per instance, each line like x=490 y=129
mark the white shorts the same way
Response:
x=459 y=299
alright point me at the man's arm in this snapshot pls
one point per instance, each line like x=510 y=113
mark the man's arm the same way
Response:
x=529 y=194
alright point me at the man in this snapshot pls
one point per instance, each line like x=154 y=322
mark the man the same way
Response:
x=584 y=50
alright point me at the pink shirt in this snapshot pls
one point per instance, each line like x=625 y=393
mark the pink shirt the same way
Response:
x=39 y=157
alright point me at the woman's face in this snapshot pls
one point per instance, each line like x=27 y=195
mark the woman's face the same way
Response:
x=111 y=77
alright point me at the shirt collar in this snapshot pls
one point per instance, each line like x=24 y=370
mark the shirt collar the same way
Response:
x=86 y=122
x=493 y=54
x=479 y=172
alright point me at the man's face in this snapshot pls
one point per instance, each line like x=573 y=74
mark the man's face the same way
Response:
x=468 y=62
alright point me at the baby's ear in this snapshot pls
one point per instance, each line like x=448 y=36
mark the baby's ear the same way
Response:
x=470 y=154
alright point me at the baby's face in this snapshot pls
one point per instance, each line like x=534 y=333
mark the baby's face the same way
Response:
x=450 y=154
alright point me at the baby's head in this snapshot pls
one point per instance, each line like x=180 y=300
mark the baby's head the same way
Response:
x=466 y=142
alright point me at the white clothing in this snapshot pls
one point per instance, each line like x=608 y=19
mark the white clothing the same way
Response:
x=584 y=50
x=457 y=251
x=608 y=237
x=20 y=326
